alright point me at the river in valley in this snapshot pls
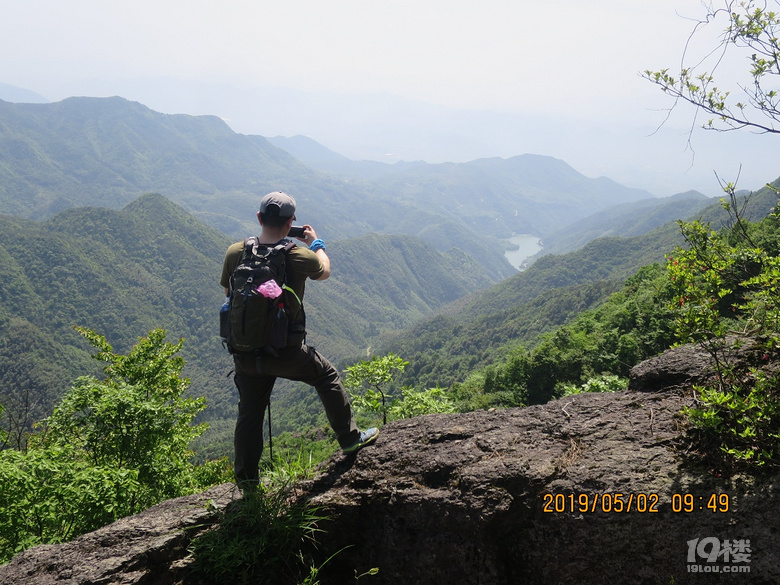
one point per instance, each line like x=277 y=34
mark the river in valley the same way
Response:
x=526 y=246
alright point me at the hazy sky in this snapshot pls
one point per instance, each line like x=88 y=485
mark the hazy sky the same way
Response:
x=553 y=77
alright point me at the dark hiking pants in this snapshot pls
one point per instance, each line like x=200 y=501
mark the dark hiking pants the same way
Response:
x=255 y=379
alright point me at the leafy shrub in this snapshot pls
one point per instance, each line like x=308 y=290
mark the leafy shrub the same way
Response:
x=603 y=383
x=743 y=422
x=111 y=448
x=137 y=418
x=726 y=285
x=419 y=402
x=48 y=496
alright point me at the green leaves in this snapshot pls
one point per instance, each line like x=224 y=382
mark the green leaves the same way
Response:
x=602 y=383
x=373 y=375
x=748 y=27
x=725 y=285
x=420 y=402
x=698 y=277
x=137 y=418
x=152 y=363
x=111 y=447
x=49 y=495
x=742 y=421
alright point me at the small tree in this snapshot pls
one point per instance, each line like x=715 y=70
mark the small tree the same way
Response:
x=137 y=418
x=725 y=285
x=112 y=447
x=375 y=374
x=379 y=371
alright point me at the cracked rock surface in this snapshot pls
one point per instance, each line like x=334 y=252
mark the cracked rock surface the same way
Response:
x=579 y=490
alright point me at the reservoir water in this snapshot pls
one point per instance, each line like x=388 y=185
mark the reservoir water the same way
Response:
x=526 y=246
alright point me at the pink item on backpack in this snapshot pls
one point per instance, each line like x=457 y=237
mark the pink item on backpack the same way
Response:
x=269 y=289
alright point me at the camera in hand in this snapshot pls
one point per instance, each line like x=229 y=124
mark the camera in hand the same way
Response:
x=296 y=231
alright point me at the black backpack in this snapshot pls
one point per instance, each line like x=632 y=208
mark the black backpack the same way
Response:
x=256 y=320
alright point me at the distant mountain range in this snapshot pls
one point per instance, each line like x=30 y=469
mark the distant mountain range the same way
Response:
x=108 y=151
x=11 y=93
x=625 y=220
x=319 y=157
x=523 y=194
x=83 y=241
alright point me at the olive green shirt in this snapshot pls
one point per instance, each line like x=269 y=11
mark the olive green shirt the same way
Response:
x=302 y=263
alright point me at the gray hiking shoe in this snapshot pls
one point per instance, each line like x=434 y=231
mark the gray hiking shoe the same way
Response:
x=366 y=438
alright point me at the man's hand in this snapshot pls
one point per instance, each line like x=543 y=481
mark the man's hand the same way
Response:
x=309 y=235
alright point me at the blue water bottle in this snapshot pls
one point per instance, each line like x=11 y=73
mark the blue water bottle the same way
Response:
x=224 y=319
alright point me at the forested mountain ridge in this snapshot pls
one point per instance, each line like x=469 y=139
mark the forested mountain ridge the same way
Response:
x=522 y=194
x=625 y=220
x=152 y=264
x=104 y=151
x=107 y=151
x=483 y=328
x=121 y=273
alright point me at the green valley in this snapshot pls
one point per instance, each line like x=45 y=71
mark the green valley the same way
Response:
x=417 y=253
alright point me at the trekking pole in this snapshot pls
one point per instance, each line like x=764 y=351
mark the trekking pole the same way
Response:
x=270 y=435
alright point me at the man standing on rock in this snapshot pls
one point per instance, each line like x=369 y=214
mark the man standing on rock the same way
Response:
x=256 y=372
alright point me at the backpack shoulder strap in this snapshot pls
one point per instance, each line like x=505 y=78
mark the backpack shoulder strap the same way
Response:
x=287 y=245
x=282 y=248
x=250 y=247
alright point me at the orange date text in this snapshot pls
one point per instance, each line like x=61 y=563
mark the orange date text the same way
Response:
x=611 y=503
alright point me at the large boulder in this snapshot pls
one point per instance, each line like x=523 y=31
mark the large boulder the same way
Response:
x=591 y=488
x=587 y=489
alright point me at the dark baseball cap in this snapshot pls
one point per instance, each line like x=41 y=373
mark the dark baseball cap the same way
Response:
x=284 y=202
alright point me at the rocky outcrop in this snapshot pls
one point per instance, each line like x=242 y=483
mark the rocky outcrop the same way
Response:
x=580 y=490
x=592 y=488
x=145 y=548
x=689 y=365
